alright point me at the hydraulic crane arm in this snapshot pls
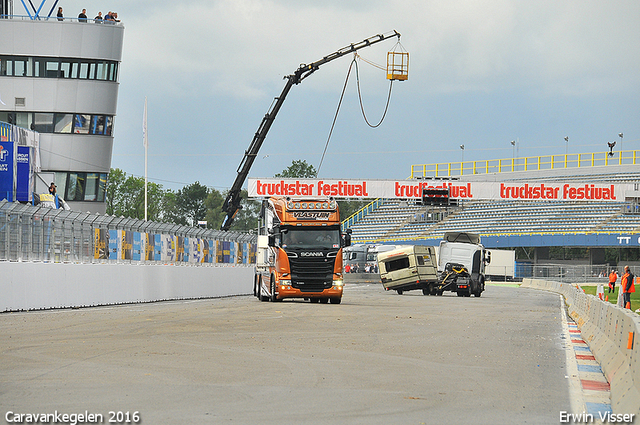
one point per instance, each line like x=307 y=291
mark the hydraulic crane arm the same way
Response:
x=232 y=203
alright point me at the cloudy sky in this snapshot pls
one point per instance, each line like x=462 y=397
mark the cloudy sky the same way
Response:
x=482 y=73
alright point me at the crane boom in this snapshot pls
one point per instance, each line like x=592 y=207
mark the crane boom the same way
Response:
x=232 y=202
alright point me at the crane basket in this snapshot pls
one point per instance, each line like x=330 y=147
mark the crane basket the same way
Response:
x=398 y=63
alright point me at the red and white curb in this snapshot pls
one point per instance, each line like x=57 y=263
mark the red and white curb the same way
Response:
x=590 y=392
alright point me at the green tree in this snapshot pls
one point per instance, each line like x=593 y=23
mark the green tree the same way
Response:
x=301 y=169
x=125 y=196
x=187 y=205
x=247 y=217
x=298 y=169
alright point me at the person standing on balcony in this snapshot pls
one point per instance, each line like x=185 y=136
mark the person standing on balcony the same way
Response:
x=82 y=17
x=60 y=15
x=627 y=286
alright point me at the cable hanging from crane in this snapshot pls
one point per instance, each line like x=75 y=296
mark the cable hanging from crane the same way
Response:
x=396 y=70
x=335 y=117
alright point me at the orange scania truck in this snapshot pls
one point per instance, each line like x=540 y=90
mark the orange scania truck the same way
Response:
x=300 y=250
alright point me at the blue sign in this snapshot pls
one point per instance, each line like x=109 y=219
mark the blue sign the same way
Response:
x=24 y=178
x=7 y=170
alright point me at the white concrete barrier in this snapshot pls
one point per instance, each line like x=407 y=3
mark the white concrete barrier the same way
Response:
x=32 y=286
x=605 y=327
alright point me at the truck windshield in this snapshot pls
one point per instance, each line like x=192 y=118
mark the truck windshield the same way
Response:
x=311 y=238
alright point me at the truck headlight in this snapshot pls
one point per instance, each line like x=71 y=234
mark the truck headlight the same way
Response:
x=338 y=282
x=285 y=283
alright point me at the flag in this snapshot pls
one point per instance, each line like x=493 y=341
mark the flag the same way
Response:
x=144 y=125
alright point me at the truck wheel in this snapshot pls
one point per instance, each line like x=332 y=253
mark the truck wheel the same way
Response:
x=314 y=300
x=324 y=300
x=256 y=286
x=426 y=291
x=480 y=287
x=460 y=294
x=439 y=293
x=274 y=296
x=399 y=291
x=336 y=300
x=261 y=297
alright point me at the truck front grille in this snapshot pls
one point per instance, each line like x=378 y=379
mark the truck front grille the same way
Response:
x=311 y=274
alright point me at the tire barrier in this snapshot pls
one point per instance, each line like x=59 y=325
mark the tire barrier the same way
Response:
x=612 y=335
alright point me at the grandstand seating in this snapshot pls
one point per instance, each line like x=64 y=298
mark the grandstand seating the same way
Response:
x=395 y=220
x=490 y=217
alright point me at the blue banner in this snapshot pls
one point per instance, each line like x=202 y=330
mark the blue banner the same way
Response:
x=24 y=171
x=113 y=245
x=136 y=253
x=7 y=171
x=157 y=251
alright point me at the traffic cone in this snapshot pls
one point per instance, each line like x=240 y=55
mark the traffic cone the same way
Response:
x=600 y=295
x=628 y=306
x=606 y=298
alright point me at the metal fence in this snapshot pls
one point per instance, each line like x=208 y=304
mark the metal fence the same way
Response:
x=40 y=234
x=587 y=273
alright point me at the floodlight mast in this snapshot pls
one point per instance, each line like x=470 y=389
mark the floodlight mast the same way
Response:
x=232 y=203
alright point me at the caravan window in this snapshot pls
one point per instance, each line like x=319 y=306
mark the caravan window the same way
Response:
x=397 y=264
x=420 y=260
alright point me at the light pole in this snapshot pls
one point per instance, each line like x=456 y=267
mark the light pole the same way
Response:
x=620 y=135
x=462 y=148
x=566 y=148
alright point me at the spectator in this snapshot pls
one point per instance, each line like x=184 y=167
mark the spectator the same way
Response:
x=60 y=16
x=98 y=19
x=627 y=286
x=108 y=18
x=52 y=188
x=612 y=281
x=82 y=17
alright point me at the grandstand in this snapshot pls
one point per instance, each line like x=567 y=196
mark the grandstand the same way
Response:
x=513 y=223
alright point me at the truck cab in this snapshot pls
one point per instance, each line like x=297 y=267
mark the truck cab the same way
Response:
x=463 y=248
x=300 y=251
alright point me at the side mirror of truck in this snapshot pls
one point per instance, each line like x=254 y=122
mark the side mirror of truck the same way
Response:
x=487 y=257
x=272 y=240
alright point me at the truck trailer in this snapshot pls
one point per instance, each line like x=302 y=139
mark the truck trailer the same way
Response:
x=407 y=268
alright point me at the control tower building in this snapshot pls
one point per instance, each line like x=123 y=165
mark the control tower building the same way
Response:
x=59 y=77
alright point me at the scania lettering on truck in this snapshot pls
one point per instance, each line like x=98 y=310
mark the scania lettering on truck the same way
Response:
x=300 y=250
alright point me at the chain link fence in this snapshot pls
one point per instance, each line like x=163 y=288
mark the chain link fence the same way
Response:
x=41 y=234
x=587 y=273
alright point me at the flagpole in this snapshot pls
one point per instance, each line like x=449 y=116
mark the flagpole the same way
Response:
x=146 y=148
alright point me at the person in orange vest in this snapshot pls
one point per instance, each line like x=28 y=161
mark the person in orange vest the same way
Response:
x=627 y=286
x=612 y=281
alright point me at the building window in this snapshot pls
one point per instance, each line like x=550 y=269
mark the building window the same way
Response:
x=89 y=187
x=63 y=123
x=27 y=66
x=81 y=124
x=43 y=122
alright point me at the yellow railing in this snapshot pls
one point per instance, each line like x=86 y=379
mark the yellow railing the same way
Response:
x=529 y=163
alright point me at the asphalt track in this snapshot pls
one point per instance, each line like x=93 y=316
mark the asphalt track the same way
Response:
x=377 y=358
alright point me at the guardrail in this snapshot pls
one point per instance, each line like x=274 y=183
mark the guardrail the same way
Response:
x=361 y=213
x=39 y=234
x=531 y=163
x=612 y=334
